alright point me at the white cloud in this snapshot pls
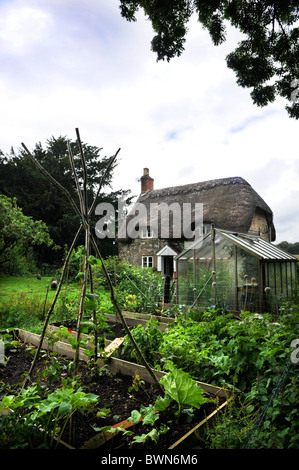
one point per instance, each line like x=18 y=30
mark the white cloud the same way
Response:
x=67 y=64
x=21 y=28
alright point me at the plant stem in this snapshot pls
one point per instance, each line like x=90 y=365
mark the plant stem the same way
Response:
x=94 y=317
x=83 y=292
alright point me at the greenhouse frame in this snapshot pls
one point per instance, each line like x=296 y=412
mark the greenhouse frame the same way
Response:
x=235 y=271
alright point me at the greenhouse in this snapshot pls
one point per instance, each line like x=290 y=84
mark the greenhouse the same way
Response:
x=235 y=271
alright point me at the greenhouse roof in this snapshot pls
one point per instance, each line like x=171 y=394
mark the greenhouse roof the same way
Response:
x=253 y=244
x=257 y=246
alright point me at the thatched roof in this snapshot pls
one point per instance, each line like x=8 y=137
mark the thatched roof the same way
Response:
x=228 y=203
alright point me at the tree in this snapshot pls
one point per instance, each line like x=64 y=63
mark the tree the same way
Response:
x=266 y=61
x=41 y=199
x=292 y=248
x=18 y=231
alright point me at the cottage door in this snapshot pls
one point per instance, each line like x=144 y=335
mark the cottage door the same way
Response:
x=168 y=265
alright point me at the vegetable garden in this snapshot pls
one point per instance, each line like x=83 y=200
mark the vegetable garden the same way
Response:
x=170 y=377
x=249 y=356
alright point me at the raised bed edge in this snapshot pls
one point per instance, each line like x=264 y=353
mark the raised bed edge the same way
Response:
x=189 y=439
x=115 y=364
x=148 y=316
x=134 y=320
x=63 y=348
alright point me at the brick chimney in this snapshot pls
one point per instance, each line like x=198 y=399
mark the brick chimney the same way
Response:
x=147 y=183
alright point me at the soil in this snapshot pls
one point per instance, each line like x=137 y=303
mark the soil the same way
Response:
x=113 y=392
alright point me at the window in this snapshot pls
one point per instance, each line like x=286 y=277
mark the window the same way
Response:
x=147 y=261
x=147 y=232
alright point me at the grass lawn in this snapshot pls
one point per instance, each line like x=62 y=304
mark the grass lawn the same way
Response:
x=24 y=300
x=30 y=285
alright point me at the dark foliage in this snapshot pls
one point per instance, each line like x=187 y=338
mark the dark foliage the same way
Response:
x=266 y=61
x=41 y=200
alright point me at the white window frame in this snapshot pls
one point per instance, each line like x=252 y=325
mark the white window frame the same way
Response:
x=147 y=232
x=147 y=261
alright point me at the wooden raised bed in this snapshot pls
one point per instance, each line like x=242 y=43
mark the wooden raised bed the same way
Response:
x=117 y=365
x=134 y=319
x=148 y=316
x=62 y=347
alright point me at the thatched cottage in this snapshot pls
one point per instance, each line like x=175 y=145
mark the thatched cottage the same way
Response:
x=227 y=203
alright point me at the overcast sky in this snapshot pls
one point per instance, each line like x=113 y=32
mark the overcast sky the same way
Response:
x=78 y=63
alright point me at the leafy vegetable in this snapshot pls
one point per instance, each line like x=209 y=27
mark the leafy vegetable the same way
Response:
x=182 y=389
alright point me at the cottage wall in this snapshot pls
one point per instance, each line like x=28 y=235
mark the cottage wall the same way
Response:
x=133 y=251
x=259 y=225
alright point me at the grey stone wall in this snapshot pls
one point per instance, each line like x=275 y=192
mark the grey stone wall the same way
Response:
x=133 y=250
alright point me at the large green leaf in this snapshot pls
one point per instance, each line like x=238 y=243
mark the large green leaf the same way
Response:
x=181 y=388
x=64 y=408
